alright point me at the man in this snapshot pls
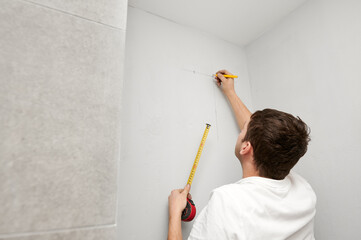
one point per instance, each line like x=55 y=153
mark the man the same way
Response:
x=270 y=201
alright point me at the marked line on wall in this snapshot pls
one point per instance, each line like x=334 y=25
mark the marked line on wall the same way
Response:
x=211 y=81
x=215 y=109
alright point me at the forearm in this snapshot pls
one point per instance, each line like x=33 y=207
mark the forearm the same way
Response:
x=240 y=110
x=175 y=228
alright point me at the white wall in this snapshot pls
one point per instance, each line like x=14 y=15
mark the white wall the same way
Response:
x=165 y=108
x=309 y=65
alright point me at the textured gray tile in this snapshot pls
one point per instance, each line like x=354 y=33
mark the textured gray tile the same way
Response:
x=60 y=91
x=110 y=12
x=105 y=233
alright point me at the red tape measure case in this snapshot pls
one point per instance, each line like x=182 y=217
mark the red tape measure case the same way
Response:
x=189 y=212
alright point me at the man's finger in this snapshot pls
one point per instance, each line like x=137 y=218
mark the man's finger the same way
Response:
x=176 y=191
x=221 y=77
x=224 y=71
x=189 y=196
x=186 y=190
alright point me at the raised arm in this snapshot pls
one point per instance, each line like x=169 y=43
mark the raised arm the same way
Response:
x=227 y=85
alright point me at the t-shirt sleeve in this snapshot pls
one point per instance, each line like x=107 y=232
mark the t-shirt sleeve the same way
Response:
x=210 y=224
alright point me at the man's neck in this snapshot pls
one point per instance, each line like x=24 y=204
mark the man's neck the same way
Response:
x=249 y=170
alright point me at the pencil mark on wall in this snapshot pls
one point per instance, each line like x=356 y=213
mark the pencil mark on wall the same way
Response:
x=215 y=108
x=196 y=72
x=214 y=93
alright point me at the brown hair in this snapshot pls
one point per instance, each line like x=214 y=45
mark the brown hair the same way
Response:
x=278 y=139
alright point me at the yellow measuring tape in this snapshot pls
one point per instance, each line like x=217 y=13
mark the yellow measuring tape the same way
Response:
x=200 y=149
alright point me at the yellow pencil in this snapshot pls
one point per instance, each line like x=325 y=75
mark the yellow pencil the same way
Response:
x=228 y=76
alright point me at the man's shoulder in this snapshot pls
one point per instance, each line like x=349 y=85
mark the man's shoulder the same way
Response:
x=247 y=190
x=232 y=193
x=300 y=182
x=228 y=189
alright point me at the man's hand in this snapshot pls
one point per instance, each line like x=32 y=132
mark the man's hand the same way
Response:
x=177 y=201
x=226 y=84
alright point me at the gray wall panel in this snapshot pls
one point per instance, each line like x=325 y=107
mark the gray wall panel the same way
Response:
x=60 y=97
x=105 y=233
x=110 y=12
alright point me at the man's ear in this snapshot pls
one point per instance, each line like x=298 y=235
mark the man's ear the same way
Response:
x=246 y=148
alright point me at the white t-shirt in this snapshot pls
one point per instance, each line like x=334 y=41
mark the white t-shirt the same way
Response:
x=258 y=208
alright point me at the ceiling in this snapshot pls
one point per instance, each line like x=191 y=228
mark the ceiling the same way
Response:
x=236 y=21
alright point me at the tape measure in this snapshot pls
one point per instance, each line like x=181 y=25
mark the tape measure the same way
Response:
x=190 y=211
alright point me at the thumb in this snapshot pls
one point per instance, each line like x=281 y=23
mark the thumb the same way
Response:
x=186 y=190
